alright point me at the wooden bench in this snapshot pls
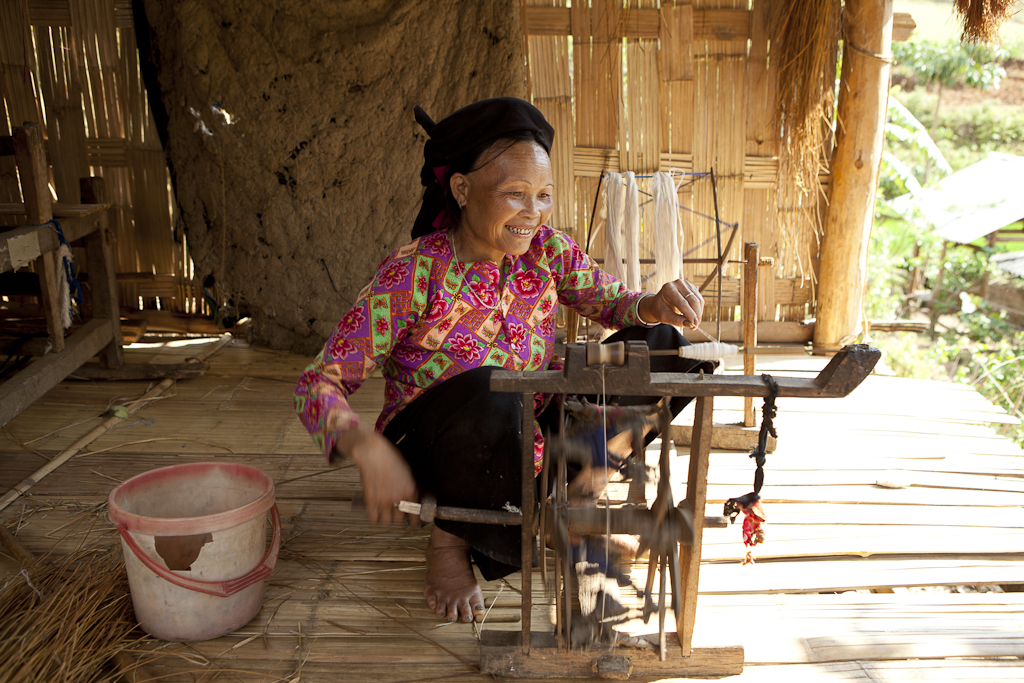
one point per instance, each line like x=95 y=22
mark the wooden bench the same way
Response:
x=37 y=242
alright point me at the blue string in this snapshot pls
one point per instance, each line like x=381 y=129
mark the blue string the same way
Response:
x=75 y=289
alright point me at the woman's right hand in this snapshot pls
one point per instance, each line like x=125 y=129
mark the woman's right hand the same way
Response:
x=385 y=475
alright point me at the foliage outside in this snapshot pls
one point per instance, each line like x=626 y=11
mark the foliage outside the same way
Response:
x=973 y=343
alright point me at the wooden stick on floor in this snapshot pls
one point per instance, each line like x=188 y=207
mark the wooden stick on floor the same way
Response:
x=102 y=429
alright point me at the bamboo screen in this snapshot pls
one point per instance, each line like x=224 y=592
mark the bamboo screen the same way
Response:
x=73 y=67
x=649 y=86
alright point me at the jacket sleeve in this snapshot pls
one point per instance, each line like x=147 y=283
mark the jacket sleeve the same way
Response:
x=362 y=341
x=588 y=290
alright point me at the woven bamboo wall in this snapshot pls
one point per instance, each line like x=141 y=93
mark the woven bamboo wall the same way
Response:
x=72 y=65
x=648 y=86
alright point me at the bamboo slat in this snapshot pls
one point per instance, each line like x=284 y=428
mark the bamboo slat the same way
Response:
x=49 y=12
x=715 y=103
x=552 y=94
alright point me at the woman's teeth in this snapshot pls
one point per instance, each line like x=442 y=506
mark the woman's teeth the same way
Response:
x=519 y=231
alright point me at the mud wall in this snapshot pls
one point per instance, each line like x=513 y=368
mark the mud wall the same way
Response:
x=291 y=139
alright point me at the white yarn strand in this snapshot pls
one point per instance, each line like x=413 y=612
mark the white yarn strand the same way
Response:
x=63 y=286
x=616 y=197
x=667 y=261
x=631 y=230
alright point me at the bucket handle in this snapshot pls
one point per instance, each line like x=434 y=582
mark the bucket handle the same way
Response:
x=222 y=589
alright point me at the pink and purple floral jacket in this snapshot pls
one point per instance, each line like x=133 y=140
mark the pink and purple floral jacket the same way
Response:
x=426 y=317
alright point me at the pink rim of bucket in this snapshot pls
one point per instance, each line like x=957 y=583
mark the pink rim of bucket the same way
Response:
x=222 y=589
x=176 y=526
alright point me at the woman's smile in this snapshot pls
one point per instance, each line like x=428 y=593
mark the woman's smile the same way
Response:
x=505 y=201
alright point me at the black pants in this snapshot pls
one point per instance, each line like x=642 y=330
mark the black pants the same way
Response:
x=464 y=445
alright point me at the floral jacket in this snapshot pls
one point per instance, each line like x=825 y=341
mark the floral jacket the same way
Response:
x=427 y=317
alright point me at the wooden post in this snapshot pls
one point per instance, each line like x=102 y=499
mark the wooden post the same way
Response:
x=102 y=280
x=863 y=99
x=35 y=187
x=750 y=258
x=696 y=500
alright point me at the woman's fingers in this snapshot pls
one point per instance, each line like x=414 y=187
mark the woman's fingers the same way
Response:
x=681 y=303
x=386 y=478
x=694 y=298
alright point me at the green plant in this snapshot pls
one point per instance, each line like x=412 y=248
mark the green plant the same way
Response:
x=949 y=64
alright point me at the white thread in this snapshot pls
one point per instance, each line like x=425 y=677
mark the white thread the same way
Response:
x=631 y=232
x=615 y=197
x=709 y=337
x=708 y=351
x=667 y=262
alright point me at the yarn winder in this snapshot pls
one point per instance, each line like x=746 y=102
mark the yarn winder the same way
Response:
x=672 y=532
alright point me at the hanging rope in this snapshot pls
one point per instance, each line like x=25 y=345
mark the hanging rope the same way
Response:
x=750 y=504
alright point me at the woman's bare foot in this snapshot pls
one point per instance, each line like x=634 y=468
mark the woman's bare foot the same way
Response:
x=451 y=587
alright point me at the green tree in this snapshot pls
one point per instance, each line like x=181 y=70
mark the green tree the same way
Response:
x=947 y=65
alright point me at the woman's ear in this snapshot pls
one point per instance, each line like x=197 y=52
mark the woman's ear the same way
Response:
x=459 y=184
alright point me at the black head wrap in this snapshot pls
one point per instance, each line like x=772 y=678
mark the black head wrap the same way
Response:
x=458 y=139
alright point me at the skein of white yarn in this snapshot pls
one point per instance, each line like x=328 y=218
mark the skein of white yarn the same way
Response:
x=631 y=230
x=667 y=262
x=615 y=200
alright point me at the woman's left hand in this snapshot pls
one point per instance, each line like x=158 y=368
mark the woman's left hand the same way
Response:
x=677 y=303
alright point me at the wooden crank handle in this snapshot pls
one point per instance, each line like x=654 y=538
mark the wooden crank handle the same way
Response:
x=429 y=510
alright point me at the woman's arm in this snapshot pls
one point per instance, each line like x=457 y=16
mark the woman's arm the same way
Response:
x=593 y=293
x=363 y=339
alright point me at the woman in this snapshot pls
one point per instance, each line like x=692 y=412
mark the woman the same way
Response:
x=478 y=288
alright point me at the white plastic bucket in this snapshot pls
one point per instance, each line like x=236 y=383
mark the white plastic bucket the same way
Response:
x=193 y=537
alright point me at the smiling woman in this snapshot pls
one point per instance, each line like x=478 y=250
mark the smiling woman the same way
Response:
x=477 y=289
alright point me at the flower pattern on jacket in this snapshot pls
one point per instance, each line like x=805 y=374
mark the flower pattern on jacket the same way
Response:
x=425 y=318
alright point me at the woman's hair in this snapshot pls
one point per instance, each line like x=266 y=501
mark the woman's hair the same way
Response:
x=438 y=197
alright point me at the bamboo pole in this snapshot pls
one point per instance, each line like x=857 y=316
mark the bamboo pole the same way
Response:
x=863 y=97
x=102 y=429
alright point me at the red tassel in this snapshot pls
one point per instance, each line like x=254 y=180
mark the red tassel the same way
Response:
x=753 y=529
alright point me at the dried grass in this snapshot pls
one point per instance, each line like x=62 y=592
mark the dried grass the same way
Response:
x=980 y=19
x=66 y=620
x=804 y=37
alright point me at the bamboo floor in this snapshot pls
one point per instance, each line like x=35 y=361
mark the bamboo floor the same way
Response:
x=856 y=582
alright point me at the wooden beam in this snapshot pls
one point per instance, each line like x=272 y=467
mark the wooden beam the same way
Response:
x=501 y=654
x=903 y=26
x=20 y=246
x=863 y=98
x=724 y=437
x=773 y=332
x=136 y=372
x=102 y=282
x=708 y=24
x=43 y=374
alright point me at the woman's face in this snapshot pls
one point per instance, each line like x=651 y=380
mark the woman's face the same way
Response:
x=505 y=202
